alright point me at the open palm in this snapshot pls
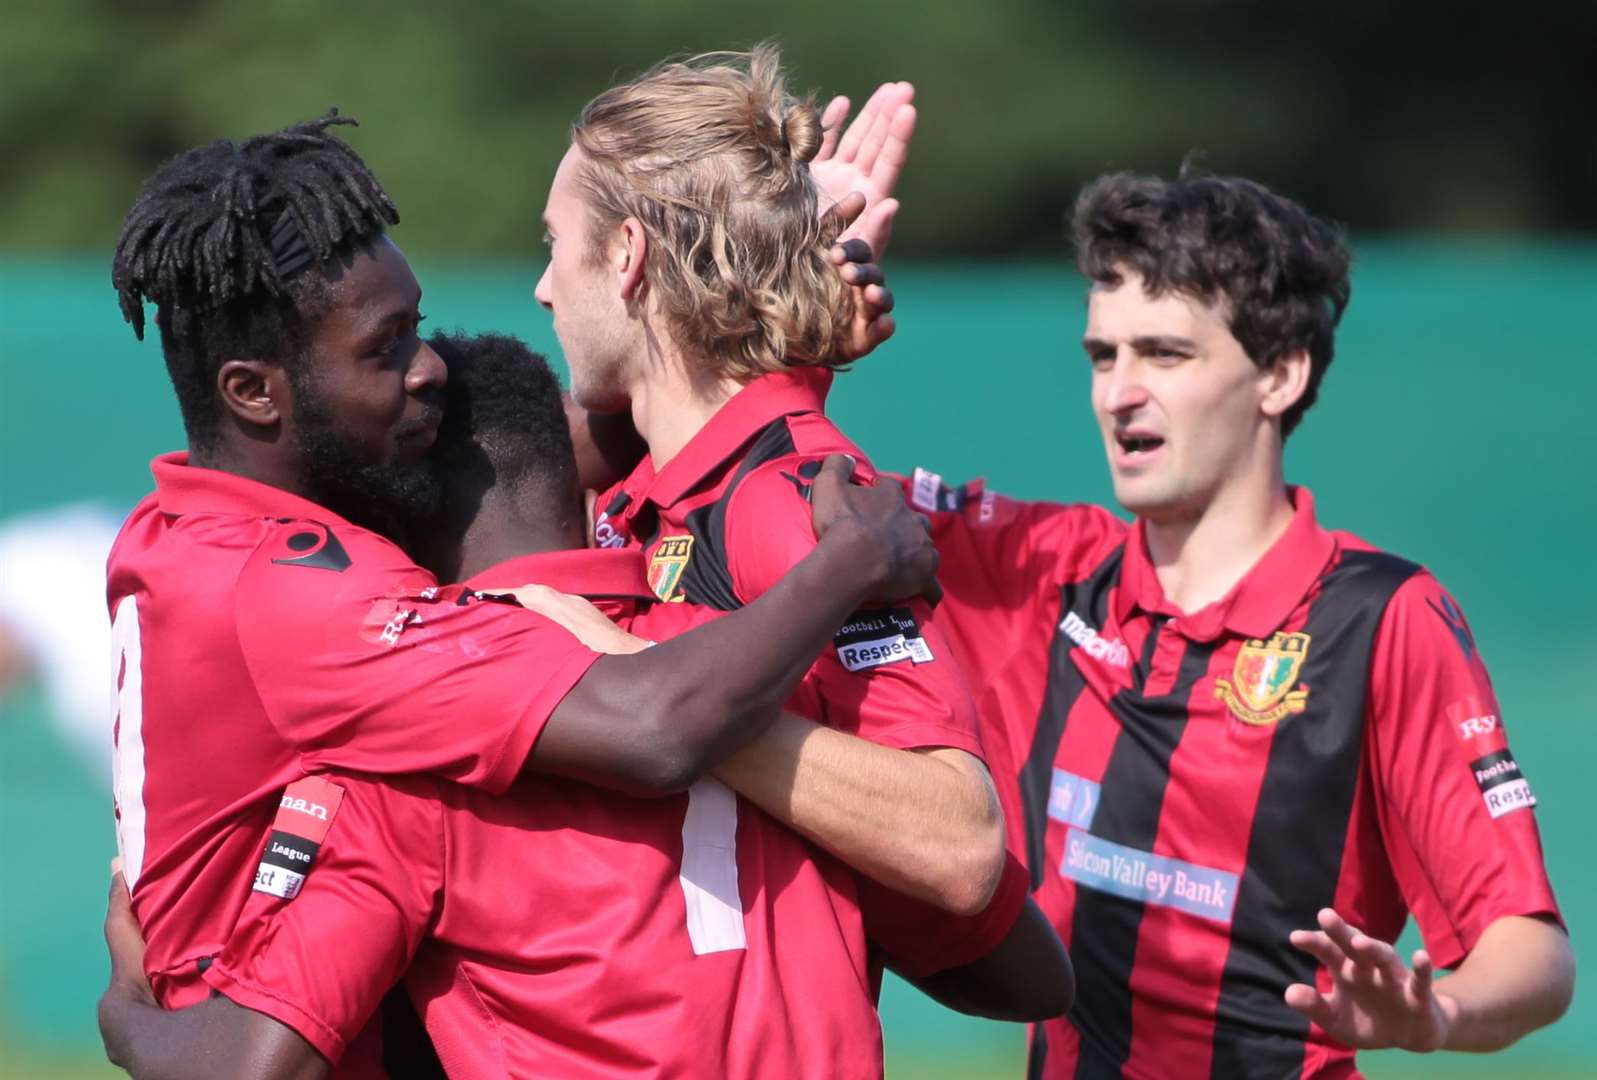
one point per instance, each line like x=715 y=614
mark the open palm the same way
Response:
x=867 y=158
x=1375 y=1000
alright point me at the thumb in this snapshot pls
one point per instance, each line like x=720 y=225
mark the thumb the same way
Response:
x=843 y=214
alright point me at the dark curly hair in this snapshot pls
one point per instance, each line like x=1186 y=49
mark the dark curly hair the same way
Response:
x=1282 y=273
x=198 y=243
x=504 y=424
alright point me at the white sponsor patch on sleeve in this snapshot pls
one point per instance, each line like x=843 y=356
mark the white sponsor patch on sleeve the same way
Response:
x=885 y=636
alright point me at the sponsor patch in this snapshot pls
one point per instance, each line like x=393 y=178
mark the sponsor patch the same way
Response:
x=884 y=636
x=928 y=492
x=1072 y=799
x=665 y=568
x=304 y=814
x=1503 y=786
x=1109 y=650
x=1260 y=690
x=1476 y=724
x=1152 y=879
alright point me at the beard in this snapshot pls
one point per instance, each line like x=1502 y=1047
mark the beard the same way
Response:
x=390 y=497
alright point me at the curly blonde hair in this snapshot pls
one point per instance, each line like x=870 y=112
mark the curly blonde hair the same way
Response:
x=711 y=155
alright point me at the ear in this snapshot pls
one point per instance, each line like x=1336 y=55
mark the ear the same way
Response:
x=1283 y=383
x=628 y=254
x=255 y=392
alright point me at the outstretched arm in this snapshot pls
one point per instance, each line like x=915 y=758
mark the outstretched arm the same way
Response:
x=214 y=1038
x=1519 y=977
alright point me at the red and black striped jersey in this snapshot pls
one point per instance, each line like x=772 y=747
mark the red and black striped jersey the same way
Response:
x=1191 y=787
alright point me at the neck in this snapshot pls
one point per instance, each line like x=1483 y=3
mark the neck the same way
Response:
x=499 y=533
x=673 y=399
x=269 y=469
x=1200 y=559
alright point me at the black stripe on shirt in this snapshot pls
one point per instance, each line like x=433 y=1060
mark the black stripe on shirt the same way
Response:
x=1300 y=824
x=1089 y=599
x=707 y=579
x=1103 y=935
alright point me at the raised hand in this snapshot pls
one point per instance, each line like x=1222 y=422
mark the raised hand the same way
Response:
x=882 y=531
x=1375 y=1000
x=872 y=322
x=867 y=158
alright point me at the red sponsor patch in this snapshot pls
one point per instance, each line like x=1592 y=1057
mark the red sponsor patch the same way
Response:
x=1476 y=724
x=307 y=808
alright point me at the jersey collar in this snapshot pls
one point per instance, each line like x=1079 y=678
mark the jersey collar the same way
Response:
x=781 y=393
x=181 y=488
x=616 y=573
x=1259 y=603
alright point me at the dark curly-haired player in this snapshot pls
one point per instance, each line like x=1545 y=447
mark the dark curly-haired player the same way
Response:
x=1242 y=748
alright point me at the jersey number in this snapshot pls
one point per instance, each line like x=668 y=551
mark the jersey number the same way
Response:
x=710 y=869
x=127 y=719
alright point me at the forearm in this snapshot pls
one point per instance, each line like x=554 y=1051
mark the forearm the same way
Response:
x=924 y=824
x=1028 y=978
x=1519 y=977
x=214 y=1038
x=659 y=718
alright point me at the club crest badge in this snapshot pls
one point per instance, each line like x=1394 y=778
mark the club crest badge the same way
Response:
x=665 y=569
x=1263 y=684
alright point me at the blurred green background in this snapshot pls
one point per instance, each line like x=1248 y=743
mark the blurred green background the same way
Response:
x=1453 y=428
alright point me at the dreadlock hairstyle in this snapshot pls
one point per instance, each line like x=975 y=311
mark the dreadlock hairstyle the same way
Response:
x=220 y=239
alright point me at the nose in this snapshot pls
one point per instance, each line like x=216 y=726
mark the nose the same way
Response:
x=543 y=293
x=427 y=369
x=1120 y=387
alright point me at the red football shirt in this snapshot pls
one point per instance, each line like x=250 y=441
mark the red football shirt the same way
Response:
x=571 y=931
x=725 y=519
x=260 y=636
x=1189 y=788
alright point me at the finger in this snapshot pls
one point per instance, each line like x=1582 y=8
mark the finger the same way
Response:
x=849 y=144
x=880 y=130
x=1376 y=954
x=875 y=227
x=894 y=152
x=1319 y=946
x=1337 y=929
x=863 y=275
x=880 y=298
x=855 y=250
x=843 y=214
x=836 y=471
x=832 y=118
x=1424 y=972
x=1308 y=1001
x=882 y=329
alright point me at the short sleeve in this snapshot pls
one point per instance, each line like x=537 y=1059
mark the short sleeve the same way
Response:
x=321 y=961
x=889 y=674
x=1002 y=558
x=364 y=662
x=1456 y=809
x=917 y=940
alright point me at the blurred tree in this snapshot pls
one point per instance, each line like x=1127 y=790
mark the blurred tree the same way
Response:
x=1411 y=116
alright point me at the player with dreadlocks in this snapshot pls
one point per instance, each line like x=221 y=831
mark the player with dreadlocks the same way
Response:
x=266 y=624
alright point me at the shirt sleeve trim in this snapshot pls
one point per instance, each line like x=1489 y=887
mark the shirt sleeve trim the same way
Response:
x=323 y=1037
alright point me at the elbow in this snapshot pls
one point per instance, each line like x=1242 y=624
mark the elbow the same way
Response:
x=974 y=874
x=670 y=759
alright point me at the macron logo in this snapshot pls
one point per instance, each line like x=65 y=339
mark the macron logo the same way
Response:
x=1099 y=648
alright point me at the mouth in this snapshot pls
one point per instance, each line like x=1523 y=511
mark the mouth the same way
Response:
x=1136 y=445
x=421 y=429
